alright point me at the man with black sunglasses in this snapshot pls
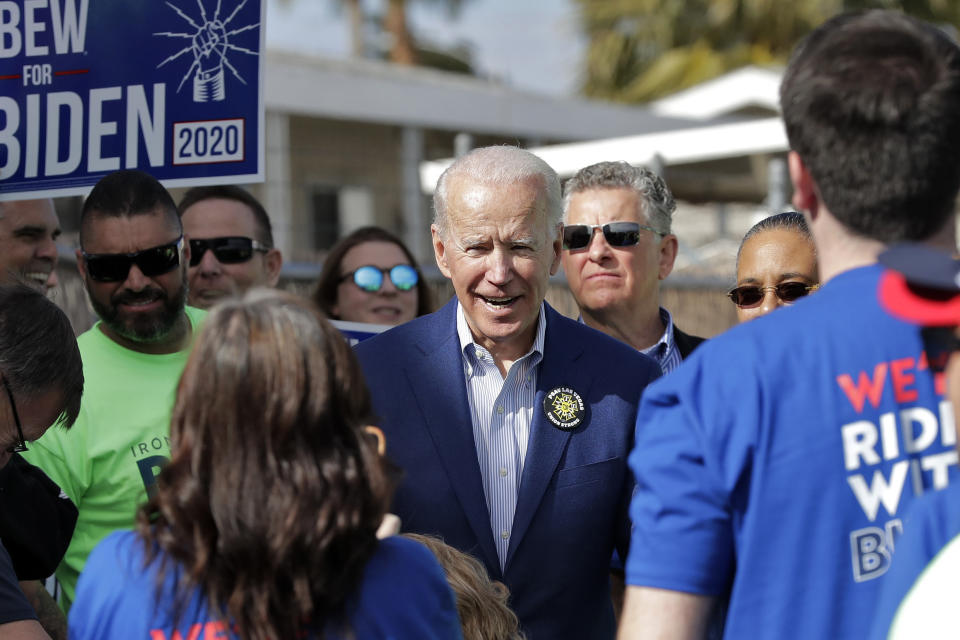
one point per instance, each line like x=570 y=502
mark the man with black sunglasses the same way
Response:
x=774 y=468
x=617 y=248
x=231 y=243
x=41 y=376
x=133 y=260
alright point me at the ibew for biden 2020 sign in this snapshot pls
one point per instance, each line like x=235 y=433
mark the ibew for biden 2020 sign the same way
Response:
x=173 y=88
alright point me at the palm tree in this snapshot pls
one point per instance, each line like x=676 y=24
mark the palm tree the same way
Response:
x=642 y=49
x=403 y=49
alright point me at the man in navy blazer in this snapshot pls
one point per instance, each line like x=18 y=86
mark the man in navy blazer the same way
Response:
x=511 y=423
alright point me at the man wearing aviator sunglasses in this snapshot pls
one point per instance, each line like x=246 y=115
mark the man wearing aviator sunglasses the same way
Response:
x=231 y=243
x=617 y=248
x=133 y=259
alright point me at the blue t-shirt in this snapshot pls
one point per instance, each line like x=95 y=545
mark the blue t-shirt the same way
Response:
x=403 y=595
x=775 y=465
x=932 y=522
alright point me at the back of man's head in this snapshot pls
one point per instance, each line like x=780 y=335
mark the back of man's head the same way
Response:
x=237 y=194
x=38 y=350
x=871 y=103
x=127 y=193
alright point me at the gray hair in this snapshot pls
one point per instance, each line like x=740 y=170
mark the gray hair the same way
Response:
x=499 y=165
x=786 y=221
x=656 y=201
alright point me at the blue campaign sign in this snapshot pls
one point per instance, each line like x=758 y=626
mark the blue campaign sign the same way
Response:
x=173 y=88
x=356 y=332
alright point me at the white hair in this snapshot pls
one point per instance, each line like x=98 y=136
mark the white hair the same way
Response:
x=500 y=165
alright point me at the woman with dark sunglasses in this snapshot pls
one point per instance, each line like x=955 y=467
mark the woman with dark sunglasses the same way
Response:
x=264 y=522
x=776 y=265
x=370 y=276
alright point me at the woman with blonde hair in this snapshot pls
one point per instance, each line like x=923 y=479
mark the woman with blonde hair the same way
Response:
x=481 y=602
x=263 y=523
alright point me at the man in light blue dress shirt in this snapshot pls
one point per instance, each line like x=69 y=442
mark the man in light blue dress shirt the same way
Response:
x=511 y=423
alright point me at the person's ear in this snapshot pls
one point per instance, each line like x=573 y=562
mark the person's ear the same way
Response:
x=81 y=265
x=557 y=246
x=273 y=261
x=668 y=255
x=440 y=251
x=185 y=254
x=805 y=196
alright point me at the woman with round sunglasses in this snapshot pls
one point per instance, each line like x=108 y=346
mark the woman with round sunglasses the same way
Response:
x=776 y=266
x=371 y=277
x=264 y=521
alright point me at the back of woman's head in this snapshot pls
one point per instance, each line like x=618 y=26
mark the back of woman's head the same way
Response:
x=481 y=602
x=272 y=496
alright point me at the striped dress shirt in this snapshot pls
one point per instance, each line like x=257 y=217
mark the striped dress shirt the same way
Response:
x=501 y=411
x=665 y=352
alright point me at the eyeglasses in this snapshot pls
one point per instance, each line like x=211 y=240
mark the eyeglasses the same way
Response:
x=370 y=278
x=21 y=445
x=939 y=343
x=115 y=267
x=618 y=234
x=752 y=295
x=228 y=250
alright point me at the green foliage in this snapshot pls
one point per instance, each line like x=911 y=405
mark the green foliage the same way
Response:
x=640 y=50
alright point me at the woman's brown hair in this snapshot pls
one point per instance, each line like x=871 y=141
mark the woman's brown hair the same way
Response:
x=325 y=294
x=272 y=497
x=481 y=602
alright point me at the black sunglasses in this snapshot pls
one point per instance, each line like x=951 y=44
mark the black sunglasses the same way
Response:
x=752 y=295
x=370 y=278
x=21 y=445
x=114 y=267
x=939 y=343
x=618 y=234
x=227 y=250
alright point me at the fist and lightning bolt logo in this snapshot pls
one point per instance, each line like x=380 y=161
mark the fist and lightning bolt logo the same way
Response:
x=210 y=44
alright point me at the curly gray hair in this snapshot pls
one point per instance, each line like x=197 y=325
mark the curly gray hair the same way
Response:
x=656 y=201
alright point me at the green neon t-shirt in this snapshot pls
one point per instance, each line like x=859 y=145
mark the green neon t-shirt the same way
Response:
x=109 y=460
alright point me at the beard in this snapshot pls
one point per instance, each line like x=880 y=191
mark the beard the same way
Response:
x=145 y=328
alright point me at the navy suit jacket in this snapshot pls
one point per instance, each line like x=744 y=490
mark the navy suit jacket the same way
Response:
x=572 y=508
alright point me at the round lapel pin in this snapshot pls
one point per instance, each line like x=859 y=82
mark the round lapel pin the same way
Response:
x=564 y=408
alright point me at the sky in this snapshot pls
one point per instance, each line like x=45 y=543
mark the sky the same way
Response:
x=533 y=45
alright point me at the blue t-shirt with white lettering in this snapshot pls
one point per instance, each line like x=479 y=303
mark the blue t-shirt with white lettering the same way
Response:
x=403 y=595
x=775 y=465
